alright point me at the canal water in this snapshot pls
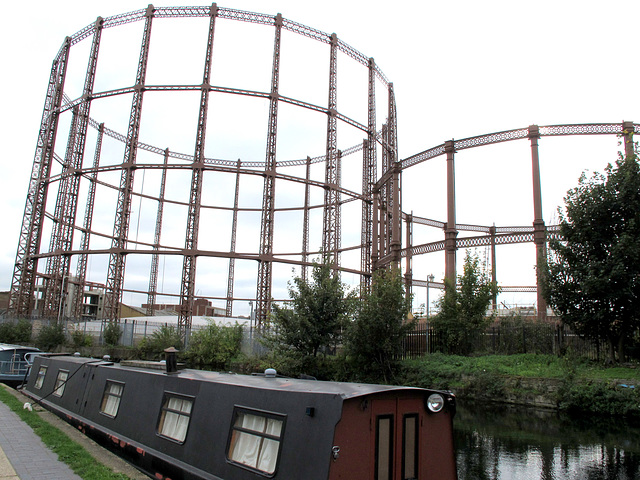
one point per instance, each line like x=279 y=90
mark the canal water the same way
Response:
x=495 y=442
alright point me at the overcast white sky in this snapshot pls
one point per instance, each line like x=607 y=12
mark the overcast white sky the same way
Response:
x=459 y=69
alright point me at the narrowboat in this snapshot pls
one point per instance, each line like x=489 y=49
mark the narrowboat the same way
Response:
x=190 y=424
x=14 y=363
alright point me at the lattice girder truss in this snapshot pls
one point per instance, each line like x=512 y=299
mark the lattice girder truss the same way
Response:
x=24 y=274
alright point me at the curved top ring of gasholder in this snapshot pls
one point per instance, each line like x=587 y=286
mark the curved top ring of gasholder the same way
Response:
x=240 y=56
x=163 y=142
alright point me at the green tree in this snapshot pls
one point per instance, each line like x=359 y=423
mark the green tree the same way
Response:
x=316 y=315
x=593 y=272
x=215 y=345
x=313 y=321
x=153 y=347
x=463 y=307
x=51 y=336
x=112 y=333
x=374 y=339
x=19 y=332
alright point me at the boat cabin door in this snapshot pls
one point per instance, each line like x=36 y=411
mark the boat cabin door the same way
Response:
x=395 y=440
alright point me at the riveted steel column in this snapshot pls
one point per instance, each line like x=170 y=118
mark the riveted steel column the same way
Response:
x=81 y=268
x=408 y=275
x=383 y=203
x=338 y=242
x=67 y=202
x=375 y=252
x=25 y=268
x=55 y=272
x=263 y=296
x=117 y=256
x=232 y=248
x=539 y=228
x=155 y=258
x=329 y=230
x=492 y=232
x=368 y=180
x=627 y=133
x=450 y=232
x=187 y=290
x=305 y=222
x=395 y=243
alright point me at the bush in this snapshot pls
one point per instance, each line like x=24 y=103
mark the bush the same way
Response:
x=19 y=332
x=214 y=346
x=599 y=398
x=112 y=333
x=153 y=347
x=80 y=339
x=374 y=339
x=51 y=336
x=294 y=364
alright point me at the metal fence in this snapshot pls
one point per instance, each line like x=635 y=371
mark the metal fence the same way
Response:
x=503 y=339
x=529 y=337
x=135 y=330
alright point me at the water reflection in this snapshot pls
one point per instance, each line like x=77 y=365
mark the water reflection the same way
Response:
x=495 y=442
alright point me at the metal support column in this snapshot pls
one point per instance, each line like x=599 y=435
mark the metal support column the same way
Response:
x=232 y=248
x=368 y=181
x=492 y=232
x=23 y=281
x=187 y=290
x=155 y=258
x=263 y=296
x=117 y=257
x=539 y=228
x=305 y=222
x=329 y=230
x=450 y=233
x=58 y=267
x=81 y=268
x=627 y=133
x=408 y=274
x=395 y=242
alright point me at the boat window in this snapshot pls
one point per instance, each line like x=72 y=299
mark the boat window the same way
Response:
x=410 y=447
x=384 y=447
x=61 y=382
x=175 y=416
x=111 y=398
x=255 y=440
x=42 y=372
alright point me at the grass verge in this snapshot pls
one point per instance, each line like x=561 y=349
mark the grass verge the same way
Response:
x=68 y=451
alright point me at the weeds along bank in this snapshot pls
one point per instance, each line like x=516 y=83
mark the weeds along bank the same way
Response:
x=566 y=384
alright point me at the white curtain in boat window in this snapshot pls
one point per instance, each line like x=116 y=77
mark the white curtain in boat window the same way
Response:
x=111 y=399
x=42 y=372
x=174 y=421
x=61 y=382
x=256 y=441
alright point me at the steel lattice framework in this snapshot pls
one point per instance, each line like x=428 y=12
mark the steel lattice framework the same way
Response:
x=73 y=170
x=73 y=179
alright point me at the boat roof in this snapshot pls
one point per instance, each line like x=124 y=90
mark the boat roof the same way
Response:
x=9 y=346
x=260 y=381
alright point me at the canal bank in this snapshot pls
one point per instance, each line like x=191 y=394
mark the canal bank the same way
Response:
x=539 y=381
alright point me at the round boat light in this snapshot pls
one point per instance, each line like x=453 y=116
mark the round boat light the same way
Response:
x=435 y=402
